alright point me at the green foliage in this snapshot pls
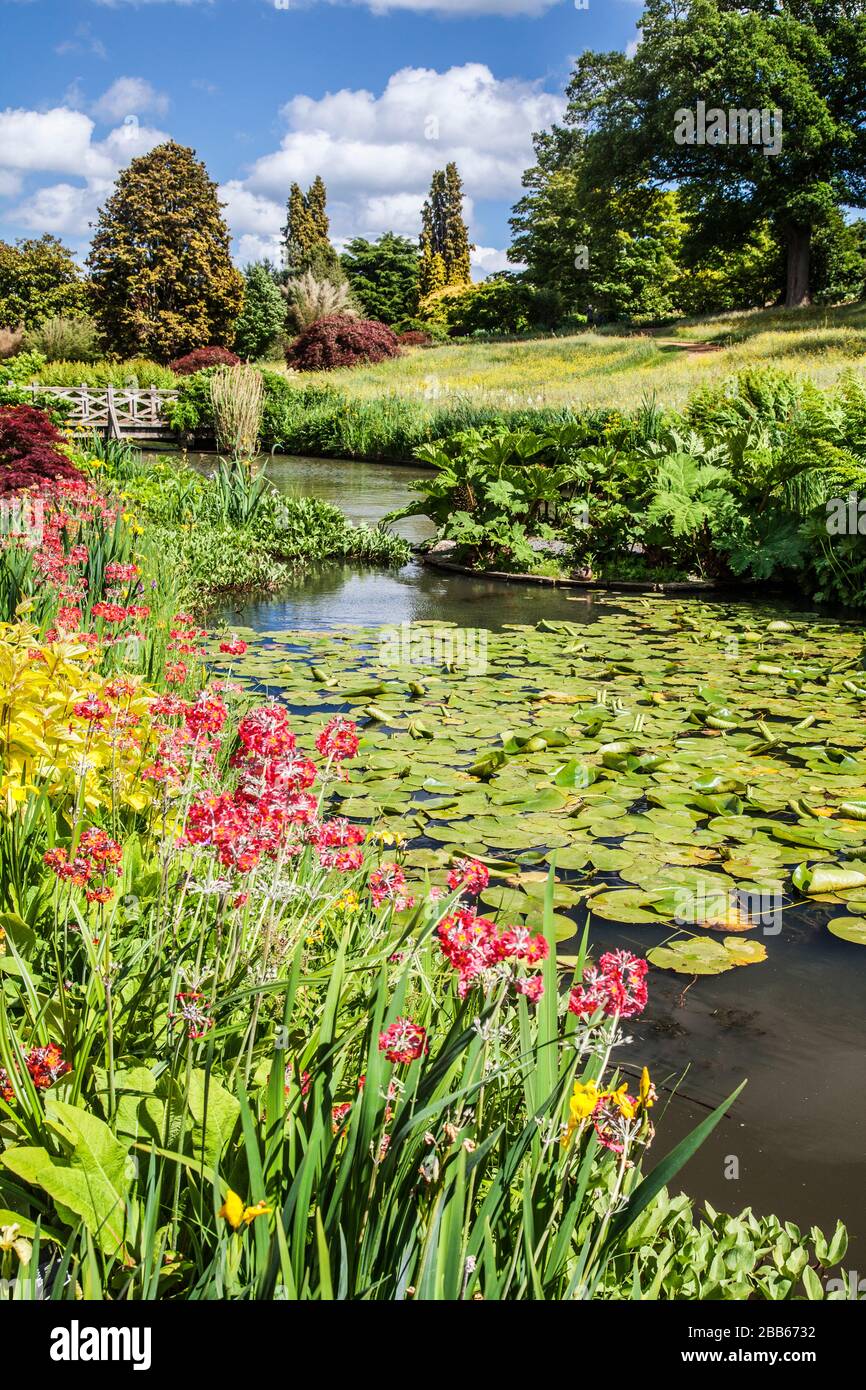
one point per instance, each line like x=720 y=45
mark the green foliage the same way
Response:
x=384 y=276
x=162 y=278
x=676 y=1253
x=23 y=368
x=503 y=304
x=232 y=532
x=137 y=373
x=64 y=340
x=39 y=279
x=263 y=318
x=739 y=487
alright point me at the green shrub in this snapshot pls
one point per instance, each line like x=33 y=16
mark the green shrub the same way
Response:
x=136 y=373
x=65 y=340
x=23 y=368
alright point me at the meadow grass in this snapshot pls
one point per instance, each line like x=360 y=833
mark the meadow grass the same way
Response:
x=614 y=367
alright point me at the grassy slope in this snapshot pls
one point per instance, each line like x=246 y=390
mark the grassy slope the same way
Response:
x=609 y=368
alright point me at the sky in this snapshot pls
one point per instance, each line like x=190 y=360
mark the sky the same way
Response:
x=371 y=94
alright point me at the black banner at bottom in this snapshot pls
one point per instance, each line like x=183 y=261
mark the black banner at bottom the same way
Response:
x=172 y=1338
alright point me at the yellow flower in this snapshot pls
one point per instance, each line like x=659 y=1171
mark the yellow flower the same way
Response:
x=11 y=1240
x=388 y=837
x=584 y=1099
x=260 y=1209
x=624 y=1103
x=236 y=1214
x=647 y=1091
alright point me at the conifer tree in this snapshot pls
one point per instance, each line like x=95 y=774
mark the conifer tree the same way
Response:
x=162 y=278
x=444 y=240
x=306 y=235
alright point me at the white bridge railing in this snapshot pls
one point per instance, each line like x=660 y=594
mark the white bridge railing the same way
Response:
x=113 y=410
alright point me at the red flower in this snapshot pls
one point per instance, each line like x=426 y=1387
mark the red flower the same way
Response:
x=175 y=672
x=532 y=986
x=474 y=945
x=96 y=858
x=387 y=884
x=265 y=731
x=617 y=986
x=338 y=740
x=117 y=573
x=404 y=1041
x=46 y=1065
x=109 y=612
x=206 y=715
x=191 y=1011
x=234 y=647
x=470 y=875
x=334 y=841
x=92 y=709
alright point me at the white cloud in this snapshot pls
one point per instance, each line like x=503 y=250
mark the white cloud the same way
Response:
x=486 y=259
x=57 y=140
x=129 y=96
x=258 y=248
x=61 y=142
x=83 y=41
x=10 y=184
x=65 y=209
x=377 y=153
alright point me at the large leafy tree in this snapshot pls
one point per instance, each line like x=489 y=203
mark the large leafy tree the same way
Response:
x=39 y=279
x=611 y=249
x=264 y=312
x=804 y=60
x=384 y=276
x=162 y=278
x=445 y=245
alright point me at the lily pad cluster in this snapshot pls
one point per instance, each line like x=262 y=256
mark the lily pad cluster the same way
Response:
x=692 y=767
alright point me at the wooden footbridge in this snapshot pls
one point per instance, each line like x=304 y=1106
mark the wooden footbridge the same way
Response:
x=117 y=412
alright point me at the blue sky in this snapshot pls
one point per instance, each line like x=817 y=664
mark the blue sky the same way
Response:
x=372 y=94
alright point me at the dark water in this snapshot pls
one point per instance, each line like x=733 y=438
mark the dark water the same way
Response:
x=795 y=1026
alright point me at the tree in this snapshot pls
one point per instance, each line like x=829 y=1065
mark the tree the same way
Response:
x=839 y=260
x=306 y=235
x=384 y=276
x=613 y=249
x=458 y=270
x=753 y=109
x=317 y=202
x=162 y=278
x=445 y=245
x=39 y=280
x=264 y=312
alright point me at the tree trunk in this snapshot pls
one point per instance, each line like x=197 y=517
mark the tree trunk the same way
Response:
x=799 y=240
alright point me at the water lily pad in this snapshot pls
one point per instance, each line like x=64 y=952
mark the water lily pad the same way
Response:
x=703 y=955
x=849 y=929
x=624 y=905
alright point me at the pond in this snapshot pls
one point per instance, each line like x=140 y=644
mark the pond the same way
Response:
x=725 y=747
